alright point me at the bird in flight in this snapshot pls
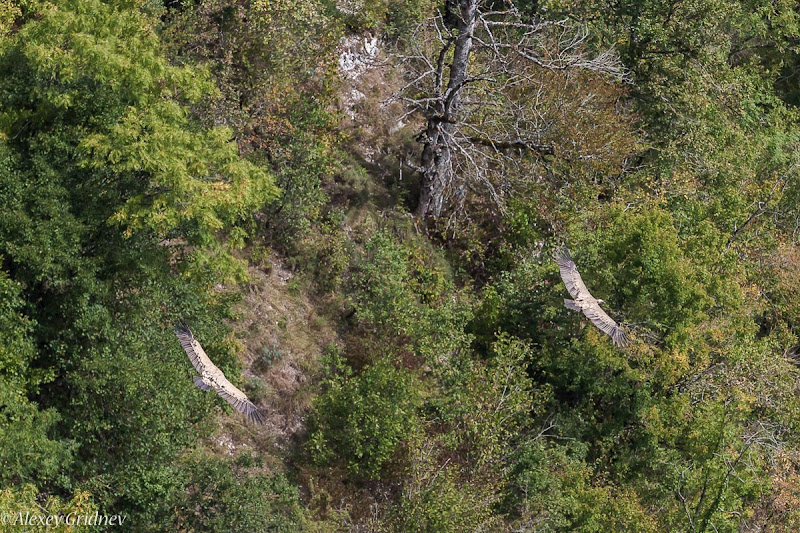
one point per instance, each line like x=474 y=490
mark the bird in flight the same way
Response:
x=584 y=302
x=212 y=377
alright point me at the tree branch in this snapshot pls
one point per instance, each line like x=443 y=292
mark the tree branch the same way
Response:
x=522 y=144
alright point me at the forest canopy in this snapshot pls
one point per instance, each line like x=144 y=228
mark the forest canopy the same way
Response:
x=355 y=205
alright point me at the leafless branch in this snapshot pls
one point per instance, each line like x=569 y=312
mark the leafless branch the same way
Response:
x=480 y=87
x=779 y=187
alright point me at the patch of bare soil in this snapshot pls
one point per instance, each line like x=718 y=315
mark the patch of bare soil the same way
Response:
x=283 y=338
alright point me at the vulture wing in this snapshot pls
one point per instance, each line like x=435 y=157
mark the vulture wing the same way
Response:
x=570 y=275
x=216 y=378
x=605 y=323
x=197 y=355
x=585 y=301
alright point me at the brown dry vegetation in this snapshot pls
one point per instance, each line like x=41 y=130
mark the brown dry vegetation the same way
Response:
x=282 y=335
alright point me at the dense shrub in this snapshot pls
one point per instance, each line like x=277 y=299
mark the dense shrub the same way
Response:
x=360 y=419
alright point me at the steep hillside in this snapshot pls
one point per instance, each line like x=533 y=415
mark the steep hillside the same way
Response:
x=357 y=207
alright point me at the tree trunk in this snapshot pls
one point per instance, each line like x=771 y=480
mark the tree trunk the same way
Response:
x=436 y=161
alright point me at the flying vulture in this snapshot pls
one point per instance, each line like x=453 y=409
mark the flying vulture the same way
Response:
x=212 y=377
x=584 y=302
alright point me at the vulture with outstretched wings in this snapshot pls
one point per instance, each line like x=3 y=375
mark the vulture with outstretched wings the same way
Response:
x=584 y=302
x=212 y=377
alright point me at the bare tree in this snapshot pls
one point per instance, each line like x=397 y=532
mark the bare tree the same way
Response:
x=475 y=75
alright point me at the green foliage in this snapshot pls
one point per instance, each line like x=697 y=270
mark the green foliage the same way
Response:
x=220 y=493
x=8 y=13
x=687 y=298
x=394 y=18
x=16 y=348
x=403 y=290
x=361 y=419
x=96 y=112
x=552 y=486
x=274 y=64
x=180 y=192
x=301 y=167
x=705 y=444
x=325 y=253
x=475 y=413
x=655 y=280
x=142 y=146
x=483 y=406
x=114 y=202
x=268 y=358
x=27 y=448
x=721 y=138
x=436 y=499
x=26 y=501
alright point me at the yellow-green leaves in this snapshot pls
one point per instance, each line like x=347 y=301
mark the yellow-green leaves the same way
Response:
x=91 y=83
x=8 y=12
x=186 y=174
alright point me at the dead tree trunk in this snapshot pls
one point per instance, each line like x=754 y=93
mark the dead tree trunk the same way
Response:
x=437 y=167
x=480 y=78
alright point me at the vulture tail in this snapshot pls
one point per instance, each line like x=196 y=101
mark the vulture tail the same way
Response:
x=258 y=416
x=181 y=327
x=198 y=382
x=570 y=304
